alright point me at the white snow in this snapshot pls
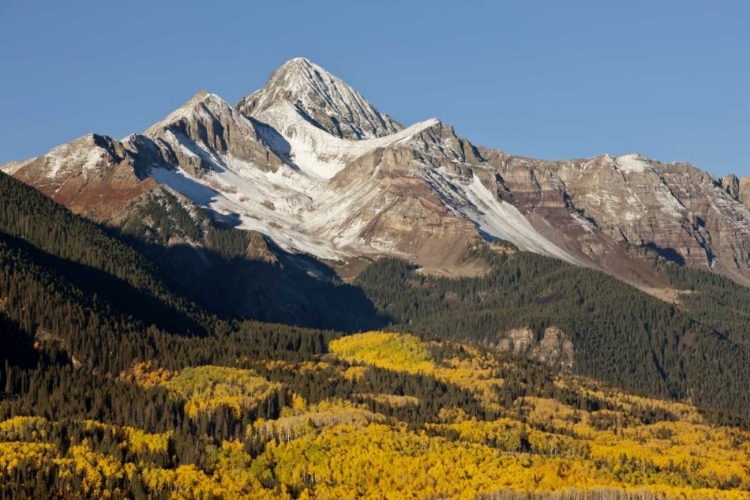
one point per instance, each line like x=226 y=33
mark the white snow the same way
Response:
x=668 y=203
x=585 y=224
x=297 y=206
x=81 y=153
x=632 y=163
x=504 y=221
x=14 y=166
x=311 y=205
x=305 y=206
x=321 y=154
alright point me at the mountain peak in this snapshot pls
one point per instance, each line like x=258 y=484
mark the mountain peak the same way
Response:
x=200 y=103
x=202 y=95
x=295 y=61
x=322 y=99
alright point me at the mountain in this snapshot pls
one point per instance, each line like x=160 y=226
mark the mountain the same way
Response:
x=310 y=164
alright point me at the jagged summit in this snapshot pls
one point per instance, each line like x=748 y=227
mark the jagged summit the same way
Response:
x=203 y=130
x=321 y=98
x=203 y=104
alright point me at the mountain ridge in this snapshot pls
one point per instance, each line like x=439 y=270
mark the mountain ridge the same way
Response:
x=307 y=161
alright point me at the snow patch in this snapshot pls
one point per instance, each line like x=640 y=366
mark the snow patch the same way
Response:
x=581 y=221
x=632 y=163
x=504 y=221
x=14 y=166
x=82 y=152
x=320 y=154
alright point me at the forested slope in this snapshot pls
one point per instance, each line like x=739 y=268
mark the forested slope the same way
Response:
x=86 y=257
x=269 y=417
x=698 y=349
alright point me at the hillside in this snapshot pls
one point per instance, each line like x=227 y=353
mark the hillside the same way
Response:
x=585 y=322
x=87 y=287
x=112 y=384
x=53 y=248
x=379 y=413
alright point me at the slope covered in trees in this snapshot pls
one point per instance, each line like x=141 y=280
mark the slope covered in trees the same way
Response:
x=699 y=349
x=84 y=256
x=341 y=425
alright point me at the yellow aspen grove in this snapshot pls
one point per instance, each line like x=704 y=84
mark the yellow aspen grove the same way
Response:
x=408 y=419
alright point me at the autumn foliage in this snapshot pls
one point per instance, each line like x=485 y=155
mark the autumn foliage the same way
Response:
x=585 y=441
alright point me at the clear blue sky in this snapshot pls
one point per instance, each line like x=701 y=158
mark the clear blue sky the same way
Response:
x=549 y=79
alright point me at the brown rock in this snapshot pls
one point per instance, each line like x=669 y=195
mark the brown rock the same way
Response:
x=93 y=175
x=744 y=191
x=731 y=185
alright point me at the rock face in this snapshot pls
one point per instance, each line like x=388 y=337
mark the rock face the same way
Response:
x=310 y=164
x=93 y=175
x=553 y=348
x=744 y=191
x=206 y=128
x=731 y=185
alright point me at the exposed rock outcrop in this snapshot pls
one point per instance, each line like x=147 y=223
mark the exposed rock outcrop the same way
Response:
x=93 y=175
x=553 y=348
x=207 y=129
x=731 y=185
x=744 y=191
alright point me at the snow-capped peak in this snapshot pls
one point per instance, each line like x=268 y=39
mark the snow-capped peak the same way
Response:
x=321 y=98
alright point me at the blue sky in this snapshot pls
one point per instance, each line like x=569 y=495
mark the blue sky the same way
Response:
x=548 y=79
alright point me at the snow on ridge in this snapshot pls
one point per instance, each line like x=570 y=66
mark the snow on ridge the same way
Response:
x=504 y=221
x=321 y=154
x=296 y=206
x=302 y=211
x=83 y=151
x=634 y=163
x=272 y=203
x=12 y=167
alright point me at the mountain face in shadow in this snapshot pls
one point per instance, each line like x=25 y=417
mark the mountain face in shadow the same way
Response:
x=290 y=289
